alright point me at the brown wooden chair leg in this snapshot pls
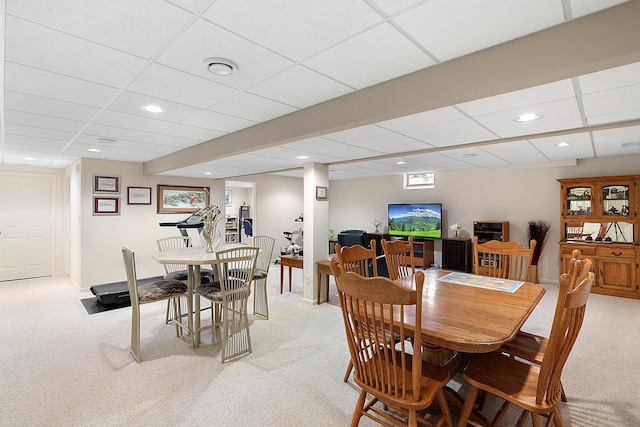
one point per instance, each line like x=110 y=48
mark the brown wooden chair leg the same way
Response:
x=349 y=368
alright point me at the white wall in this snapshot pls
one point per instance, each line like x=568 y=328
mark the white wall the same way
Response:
x=488 y=194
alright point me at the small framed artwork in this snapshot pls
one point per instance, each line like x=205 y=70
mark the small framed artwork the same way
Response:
x=138 y=195
x=419 y=180
x=106 y=184
x=227 y=198
x=106 y=205
x=321 y=193
x=181 y=199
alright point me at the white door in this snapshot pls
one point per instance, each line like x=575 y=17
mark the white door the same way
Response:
x=27 y=221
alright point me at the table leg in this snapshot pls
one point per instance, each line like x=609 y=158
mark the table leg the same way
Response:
x=281 y=275
x=319 y=285
x=327 y=300
x=289 y=278
x=197 y=306
x=190 y=305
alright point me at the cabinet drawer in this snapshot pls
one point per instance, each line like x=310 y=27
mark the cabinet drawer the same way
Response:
x=584 y=250
x=617 y=252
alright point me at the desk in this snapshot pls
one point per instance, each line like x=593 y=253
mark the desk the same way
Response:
x=324 y=267
x=193 y=258
x=289 y=261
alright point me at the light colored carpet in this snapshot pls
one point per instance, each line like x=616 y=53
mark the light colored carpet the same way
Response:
x=61 y=366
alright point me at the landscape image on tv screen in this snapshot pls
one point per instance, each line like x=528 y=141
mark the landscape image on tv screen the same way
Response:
x=416 y=219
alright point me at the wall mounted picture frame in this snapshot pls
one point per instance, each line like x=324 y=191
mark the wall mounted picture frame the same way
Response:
x=321 y=193
x=106 y=184
x=106 y=205
x=227 y=198
x=419 y=180
x=181 y=198
x=138 y=195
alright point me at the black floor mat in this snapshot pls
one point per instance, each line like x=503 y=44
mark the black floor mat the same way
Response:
x=93 y=306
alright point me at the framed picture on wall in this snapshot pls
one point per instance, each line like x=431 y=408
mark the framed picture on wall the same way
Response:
x=106 y=184
x=321 y=193
x=181 y=199
x=106 y=205
x=138 y=195
x=227 y=198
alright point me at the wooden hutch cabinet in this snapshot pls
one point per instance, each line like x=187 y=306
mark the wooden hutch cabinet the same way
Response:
x=599 y=216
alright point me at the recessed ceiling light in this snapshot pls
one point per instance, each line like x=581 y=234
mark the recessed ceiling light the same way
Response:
x=528 y=117
x=207 y=173
x=302 y=157
x=152 y=109
x=401 y=162
x=630 y=144
x=94 y=150
x=106 y=141
x=220 y=66
x=29 y=158
x=563 y=144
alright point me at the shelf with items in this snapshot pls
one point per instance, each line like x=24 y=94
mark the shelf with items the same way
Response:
x=491 y=230
x=457 y=254
x=608 y=234
x=231 y=234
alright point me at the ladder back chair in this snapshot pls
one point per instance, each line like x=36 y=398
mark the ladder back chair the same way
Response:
x=506 y=260
x=386 y=365
x=360 y=260
x=398 y=255
x=229 y=296
x=260 y=302
x=158 y=291
x=534 y=388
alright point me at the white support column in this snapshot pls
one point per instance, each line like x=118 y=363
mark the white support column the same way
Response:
x=316 y=226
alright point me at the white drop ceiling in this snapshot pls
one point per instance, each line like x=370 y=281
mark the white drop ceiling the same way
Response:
x=356 y=84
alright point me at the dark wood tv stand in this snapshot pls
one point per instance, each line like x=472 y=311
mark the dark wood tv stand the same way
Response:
x=422 y=251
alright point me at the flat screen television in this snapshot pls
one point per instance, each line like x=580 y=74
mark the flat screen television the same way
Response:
x=420 y=220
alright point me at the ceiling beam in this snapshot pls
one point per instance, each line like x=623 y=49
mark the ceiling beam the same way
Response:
x=596 y=42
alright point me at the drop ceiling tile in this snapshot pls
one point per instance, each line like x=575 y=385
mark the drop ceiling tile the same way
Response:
x=628 y=75
x=311 y=26
x=171 y=141
x=37 y=132
x=450 y=133
x=300 y=87
x=520 y=99
x=613 y=105
x=478 y=158
x=554 y=115
x=585 y=7
x=390 y=143
x=36 y=46
x=42 y=121
x=114 y=132
x=580 y=148
x=440 y=115
x=510 y=152
x=360 y=132
x=205 y=40
x=374 y=56
x=217 y=122
x=450 y=29
x=38 y=105
x=251 y=107
x=31 y=141
x=180 y=87
x=129 y=121
x=191 y=5
x=37 y=149
x=609 y=142
x=153 y=148
x=192 y=132
x=142 y=27
x=132 y=103
x=329 y=148
x=391 y=7
x=438 y=162
x=32 y=81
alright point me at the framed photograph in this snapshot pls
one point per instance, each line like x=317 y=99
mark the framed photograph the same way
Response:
x=227 y=198
x=138 y=195
x=321 y=193
x=181 y=199
x=106 y=184
x=419 y=180
x=106 y=205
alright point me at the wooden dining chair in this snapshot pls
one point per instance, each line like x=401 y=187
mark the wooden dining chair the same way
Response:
x=532 y=347
x=361 y=260
x=178 y=271
x=143 y=294
x=534 y=388
x=506 y=260
x=386 y=365
x=398 y=255
x=358 y=259
x=260 y=301
x=229 y=295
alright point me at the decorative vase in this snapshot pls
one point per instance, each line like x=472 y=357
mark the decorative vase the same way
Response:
x=210 y=241
x=455 y=234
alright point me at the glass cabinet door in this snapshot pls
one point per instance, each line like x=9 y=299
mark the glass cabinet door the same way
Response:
x=578 y=201
x=615 y=200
